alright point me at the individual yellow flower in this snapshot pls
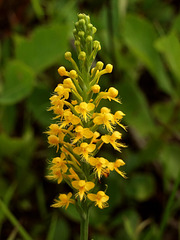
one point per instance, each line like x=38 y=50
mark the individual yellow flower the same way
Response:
x=84 y=109
x=82 y=186
x=104 y=118
x=64 y=201
x=56 y=174
x=60 y=163
x=69 y=118
x=53 y=140
x=111 y=94
x=118 y=117
x=100 y=164
x=57 y=105
x=100 y=199
x=58 y=168
x=54 y=129
x=82 y=132
x=85 y=149
x=115 y=165
x=112 y=140
x=62 y=92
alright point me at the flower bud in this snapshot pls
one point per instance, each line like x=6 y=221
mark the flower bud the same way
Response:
x=81 y=34
x=68 y=55
x=73 y=74
x=95 y=88
x=94 y=30
x=62 y=71
x=109 y=68
x=67 y=83
x=82 y=56
x=97 y=45
x=81 y=16
x=90 y=26
x=99 y=65
x=113 y=92
x=89 y=39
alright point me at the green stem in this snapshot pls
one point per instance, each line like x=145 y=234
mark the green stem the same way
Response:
x=84 y=225
x=168 y=209
x=14 y=221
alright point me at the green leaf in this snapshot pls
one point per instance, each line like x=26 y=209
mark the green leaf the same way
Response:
x=10 y=146
x=43 y=48
x=135 y=107
x=169 y=45
x=140 y=35
x=38 y=104
x=19 y=82
x=169 y=157
x=141 y=186
x=8 y=116
x=176 y=24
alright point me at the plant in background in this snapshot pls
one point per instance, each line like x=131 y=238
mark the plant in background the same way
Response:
x=77 y=133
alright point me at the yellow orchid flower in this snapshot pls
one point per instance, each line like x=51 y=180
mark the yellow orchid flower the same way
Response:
x=64 y=201
x=100 y=199
x=82 y=186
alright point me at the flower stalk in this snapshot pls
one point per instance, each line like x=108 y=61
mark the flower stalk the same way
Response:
x=77 y=134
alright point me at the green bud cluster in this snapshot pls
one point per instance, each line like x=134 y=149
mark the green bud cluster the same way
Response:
x=86 y=46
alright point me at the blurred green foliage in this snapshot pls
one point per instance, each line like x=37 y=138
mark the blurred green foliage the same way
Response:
x=141 y=39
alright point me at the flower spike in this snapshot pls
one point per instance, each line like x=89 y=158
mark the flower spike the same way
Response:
x=81 y=128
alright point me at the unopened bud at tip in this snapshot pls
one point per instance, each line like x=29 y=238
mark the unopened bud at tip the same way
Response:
x=82 y=56
x=99 y=65
x=62 y=71
x=95 y=88
x=109 y=68
x=68 y=55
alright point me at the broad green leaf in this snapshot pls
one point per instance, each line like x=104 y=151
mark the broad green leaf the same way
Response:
x=176 y=24
x=141 y=186
x=140 y=35
x=131 y=221
x=169 y=157
x=135 y=107
x=8 y=116
x=10 y=146
x=170 y=46
x=163 y=111
x=17 y=147
x=19 y=82
x=43 y=48
x=38 y=104
x=62 y=230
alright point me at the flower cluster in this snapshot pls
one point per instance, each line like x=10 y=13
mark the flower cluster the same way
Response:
x=77 y=134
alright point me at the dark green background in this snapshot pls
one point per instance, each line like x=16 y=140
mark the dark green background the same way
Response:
x=141 y=40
